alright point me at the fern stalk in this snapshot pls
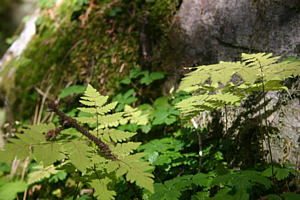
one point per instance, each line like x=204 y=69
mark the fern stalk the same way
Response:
x=265 y=118
x=200 y=145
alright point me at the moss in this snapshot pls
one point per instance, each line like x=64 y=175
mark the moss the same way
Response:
x=98 y=51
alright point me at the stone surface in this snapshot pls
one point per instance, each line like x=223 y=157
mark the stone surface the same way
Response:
x=211 y=31
x=206 y=32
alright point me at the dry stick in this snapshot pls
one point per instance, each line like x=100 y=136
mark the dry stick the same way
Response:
x=104 y=148
x=43 y=103
x=35 y=113
x=45 y=117
x=199 y=143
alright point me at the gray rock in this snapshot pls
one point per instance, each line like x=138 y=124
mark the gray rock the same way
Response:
x=211 y=31
x=207 y=32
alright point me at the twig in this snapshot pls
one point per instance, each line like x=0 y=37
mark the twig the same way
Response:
x=43 y=102
x=104 y=148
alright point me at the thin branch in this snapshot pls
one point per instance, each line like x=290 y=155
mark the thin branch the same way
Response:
x=104 y=148
x=43 y=102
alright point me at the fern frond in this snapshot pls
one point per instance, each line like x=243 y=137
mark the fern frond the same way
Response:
x=258 y=60
x=135 y=115
x=100 y=110
x=134 y=169
x=102 y=191
x=48 y=153
x=258 y=72
x=113 y=135
x=92 y=97
x=26 y=143
x=219 y=73
x=208 y=102
x=112 y=120
x=136 y=173
x=124 y=149
x=78 y=153
x=41 y=173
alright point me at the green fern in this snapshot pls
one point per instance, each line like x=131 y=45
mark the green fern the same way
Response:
x=41 y=173
x=256 y=71
x=100 y=169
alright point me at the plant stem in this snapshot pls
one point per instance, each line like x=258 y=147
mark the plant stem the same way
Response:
x=266 y=120
x=200 y=145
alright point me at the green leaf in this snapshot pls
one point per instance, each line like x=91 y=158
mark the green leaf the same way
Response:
x=124 y=149
x=74 y=89
x=162 y=159
x=48 y=153
x=282 y=174
x=136 y=173
x=241 y=183
x=124 y=99
x=113 y=135
x=146 y=79
x=201 y=196
x=136 y=73
x=291 y=196
x=162 y=103
x=156 y=145
x=157 y=75
x=164 y=193
x=135 y=115
x=241 y=195
x=102 y=192
x=273 y=197
x=78 y=153
x=60 y=176
x=22 y=147
x=181 y=183
x=201 y=179
x=159 y=116
x=9 y=190
x=41 y=173
x=152 y=157
x=125 y=81
x=92 y=97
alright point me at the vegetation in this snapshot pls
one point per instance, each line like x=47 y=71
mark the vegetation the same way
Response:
x=144 y=144
x=109 y=162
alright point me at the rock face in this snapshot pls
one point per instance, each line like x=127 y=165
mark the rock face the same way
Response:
x=208 y=31
x=211 y=31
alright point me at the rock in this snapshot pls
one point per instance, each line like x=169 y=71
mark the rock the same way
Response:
x=211 y=31
x=206 y=32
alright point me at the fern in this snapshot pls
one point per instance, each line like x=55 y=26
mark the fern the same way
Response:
x=102 y=169
x=256 y=71
x=41 y=173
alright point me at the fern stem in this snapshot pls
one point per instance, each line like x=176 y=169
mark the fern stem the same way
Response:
x=265 y=118
x=104 y=148
x=200 y=145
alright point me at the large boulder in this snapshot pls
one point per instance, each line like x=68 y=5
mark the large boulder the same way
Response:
x=211 y=31
x=206 y=32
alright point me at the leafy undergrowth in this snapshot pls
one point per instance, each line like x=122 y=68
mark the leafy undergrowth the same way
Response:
x=95 y=151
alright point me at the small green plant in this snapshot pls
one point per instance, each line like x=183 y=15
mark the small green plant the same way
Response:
x=101 y=162
x=257 y=72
